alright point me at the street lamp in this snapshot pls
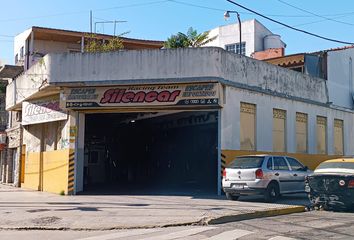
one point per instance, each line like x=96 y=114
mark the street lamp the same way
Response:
x=227 y=16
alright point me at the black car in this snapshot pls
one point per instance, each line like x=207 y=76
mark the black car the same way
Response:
x=331 y=186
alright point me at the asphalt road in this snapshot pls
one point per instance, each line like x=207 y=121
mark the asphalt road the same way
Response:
x=308 y=225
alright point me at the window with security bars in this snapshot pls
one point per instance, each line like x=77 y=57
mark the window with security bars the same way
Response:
x=321 y=135
x=338 y=137
x=301 y=132
x=279 y=130
x=247 y=126
x=235 y=48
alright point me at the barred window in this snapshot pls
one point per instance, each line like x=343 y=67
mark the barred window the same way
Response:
x=279 y=130
x=301 y=132
x=321 y=135
x=247 y=126
x=338 y=137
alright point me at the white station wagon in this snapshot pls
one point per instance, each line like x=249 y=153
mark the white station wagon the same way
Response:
x=268 y=175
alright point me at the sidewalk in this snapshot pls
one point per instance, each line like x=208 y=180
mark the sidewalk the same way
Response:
x=24 y=209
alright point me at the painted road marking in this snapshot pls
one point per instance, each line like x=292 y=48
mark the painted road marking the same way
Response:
x=281 y=238
x=179 y=234
x=230 y=235
x=122 y=234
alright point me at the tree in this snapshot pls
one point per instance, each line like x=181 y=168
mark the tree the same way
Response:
x=180 y=40
x=191 y=39
x=94 y=44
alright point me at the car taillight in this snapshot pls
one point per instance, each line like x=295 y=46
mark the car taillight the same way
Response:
x=224 y=173
x=351 y=183
x=259 y=174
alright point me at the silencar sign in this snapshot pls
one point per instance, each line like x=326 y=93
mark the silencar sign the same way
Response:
x=44 y=110
x=203 y=94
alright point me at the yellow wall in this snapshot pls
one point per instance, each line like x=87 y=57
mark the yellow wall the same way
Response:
x=32 y=171
x=54 y=174
x=310 y=160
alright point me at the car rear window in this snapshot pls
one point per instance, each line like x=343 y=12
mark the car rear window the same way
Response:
x=348 y=165
x=246 y=162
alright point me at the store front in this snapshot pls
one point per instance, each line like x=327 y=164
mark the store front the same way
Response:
x=149 y=139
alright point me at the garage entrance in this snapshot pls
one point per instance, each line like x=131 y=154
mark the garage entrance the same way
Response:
x=162 y=152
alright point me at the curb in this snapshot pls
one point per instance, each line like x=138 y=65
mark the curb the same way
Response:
x=202 y=222
x=257 y=214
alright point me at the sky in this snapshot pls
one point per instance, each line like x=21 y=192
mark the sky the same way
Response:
x=159 y=19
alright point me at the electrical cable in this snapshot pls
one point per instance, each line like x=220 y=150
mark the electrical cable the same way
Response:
x=314 y=14
x=272 y=15
x=85 y=11
x=288 y=26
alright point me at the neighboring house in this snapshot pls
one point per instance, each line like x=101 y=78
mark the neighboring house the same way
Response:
x=133 y=121
x=9 y=124
x=334 y=65
x=29 y=47
x=36 y=42
x=255 y=37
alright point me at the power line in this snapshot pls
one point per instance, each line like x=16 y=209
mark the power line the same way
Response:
x=308 y=23
x=314 y=14
x=288 y=26
x=272 y=15
x=133 y=5
x=85 y=11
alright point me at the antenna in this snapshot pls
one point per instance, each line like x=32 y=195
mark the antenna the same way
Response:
x=90 y=21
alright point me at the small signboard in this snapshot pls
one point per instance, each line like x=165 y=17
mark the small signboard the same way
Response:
x=201 y=94
x=43 y=110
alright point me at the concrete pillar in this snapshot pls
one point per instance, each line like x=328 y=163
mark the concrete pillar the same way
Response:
x=9 y=166
x=3 y=164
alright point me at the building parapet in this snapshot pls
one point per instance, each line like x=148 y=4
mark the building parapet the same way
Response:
x=167 y=65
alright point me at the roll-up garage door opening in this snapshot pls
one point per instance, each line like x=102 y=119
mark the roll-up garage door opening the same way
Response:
x=151 y=153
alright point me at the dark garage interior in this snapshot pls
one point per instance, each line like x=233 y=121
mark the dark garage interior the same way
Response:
x=151 y=153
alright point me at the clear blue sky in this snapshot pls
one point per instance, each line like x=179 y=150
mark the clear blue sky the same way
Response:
x=158 y=19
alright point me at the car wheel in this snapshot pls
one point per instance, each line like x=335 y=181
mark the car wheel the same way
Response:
x=272 y=193
x=229 y=196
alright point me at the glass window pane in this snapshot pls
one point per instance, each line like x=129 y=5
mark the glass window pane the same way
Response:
x=246 y=162
x=294 y=164
x=280 y=163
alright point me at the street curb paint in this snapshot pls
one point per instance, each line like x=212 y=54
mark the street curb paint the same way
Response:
x=256 y=214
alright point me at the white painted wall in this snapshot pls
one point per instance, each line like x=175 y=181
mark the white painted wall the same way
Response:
x=163 y=66
x=252 y=32
x=340 y=86
x=230 y=124
x=20 y=41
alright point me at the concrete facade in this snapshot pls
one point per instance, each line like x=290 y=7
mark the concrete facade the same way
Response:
x=242 y=79
x=253 y=33
x=340 y=77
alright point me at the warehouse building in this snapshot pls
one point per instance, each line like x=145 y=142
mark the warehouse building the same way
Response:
x=166 y=120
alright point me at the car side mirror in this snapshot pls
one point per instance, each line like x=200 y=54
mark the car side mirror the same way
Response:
x=305 y=168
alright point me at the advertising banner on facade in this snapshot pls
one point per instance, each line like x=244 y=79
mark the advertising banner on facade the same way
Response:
x=44 y=110
x=200 y=94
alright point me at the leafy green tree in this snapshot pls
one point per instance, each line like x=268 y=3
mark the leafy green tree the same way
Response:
x=94 y=44
x=180 y=40
x=191 y=39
